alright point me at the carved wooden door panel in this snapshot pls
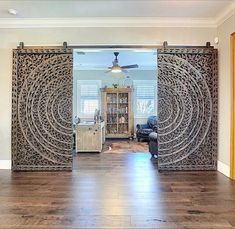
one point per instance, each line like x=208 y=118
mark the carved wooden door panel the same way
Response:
x=42 y=109
x=187 y=108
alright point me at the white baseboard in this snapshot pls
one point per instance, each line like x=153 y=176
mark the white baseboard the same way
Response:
x=5 y=164
x=223 y=168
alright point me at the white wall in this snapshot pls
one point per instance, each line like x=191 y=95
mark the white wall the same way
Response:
x=10 y=38
x=224 y=32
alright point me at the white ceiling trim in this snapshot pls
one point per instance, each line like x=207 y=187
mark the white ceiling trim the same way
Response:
x=225 y=14
x=118 y=21
x=105 y=22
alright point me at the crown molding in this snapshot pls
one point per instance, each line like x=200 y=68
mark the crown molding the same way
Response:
x=225 y=14
x=119 y=21
x=105 y=22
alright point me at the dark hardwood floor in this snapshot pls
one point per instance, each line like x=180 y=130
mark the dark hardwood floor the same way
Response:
x=116 y=191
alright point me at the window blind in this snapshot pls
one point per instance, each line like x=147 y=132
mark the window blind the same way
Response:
x=88 y=97
x=144 y=97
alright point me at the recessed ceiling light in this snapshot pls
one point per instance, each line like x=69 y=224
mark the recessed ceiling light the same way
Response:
x=12 y=11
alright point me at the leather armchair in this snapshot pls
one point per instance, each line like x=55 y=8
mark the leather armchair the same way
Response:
x=153 y=144
x=143 y=130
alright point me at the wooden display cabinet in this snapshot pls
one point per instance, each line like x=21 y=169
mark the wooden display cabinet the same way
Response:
x=117 y=112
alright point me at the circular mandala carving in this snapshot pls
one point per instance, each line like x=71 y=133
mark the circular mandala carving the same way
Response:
x=45 y=109
x=185 y=109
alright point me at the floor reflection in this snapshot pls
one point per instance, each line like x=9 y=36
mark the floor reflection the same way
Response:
x=125 y=183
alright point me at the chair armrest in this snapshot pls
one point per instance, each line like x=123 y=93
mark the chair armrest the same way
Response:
x=142 y=126
x=155 y=128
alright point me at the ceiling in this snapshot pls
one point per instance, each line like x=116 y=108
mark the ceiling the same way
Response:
x=102 y=59
x=113 y=8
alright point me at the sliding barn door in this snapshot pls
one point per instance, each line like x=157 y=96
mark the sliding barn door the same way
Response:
x=42 y=109
x=187 y=108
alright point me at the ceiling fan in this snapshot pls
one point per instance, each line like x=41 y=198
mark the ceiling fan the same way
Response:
x=117 y=68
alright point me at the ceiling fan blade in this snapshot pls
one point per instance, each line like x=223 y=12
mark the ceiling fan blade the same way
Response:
x=130 y=66
x=107 y=71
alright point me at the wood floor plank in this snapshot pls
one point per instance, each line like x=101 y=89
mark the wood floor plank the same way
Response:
x=116 y=191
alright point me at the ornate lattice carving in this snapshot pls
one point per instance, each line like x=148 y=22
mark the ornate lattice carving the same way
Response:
x=187 y=109
x=42 y=109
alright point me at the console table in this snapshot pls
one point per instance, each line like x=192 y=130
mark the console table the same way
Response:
x=90 y=137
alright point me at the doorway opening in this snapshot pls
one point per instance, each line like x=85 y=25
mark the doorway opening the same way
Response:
x=114 y=99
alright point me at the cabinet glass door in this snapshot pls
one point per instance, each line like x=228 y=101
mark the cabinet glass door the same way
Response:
x=123 y=113
x=112 y=113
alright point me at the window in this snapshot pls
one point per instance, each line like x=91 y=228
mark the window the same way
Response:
x=144 y=98
x=88 y=97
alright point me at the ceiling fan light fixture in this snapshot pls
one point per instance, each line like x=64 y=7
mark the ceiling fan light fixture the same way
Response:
x=116 y=69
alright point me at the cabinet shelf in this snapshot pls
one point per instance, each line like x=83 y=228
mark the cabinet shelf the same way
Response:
x=120 y=122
